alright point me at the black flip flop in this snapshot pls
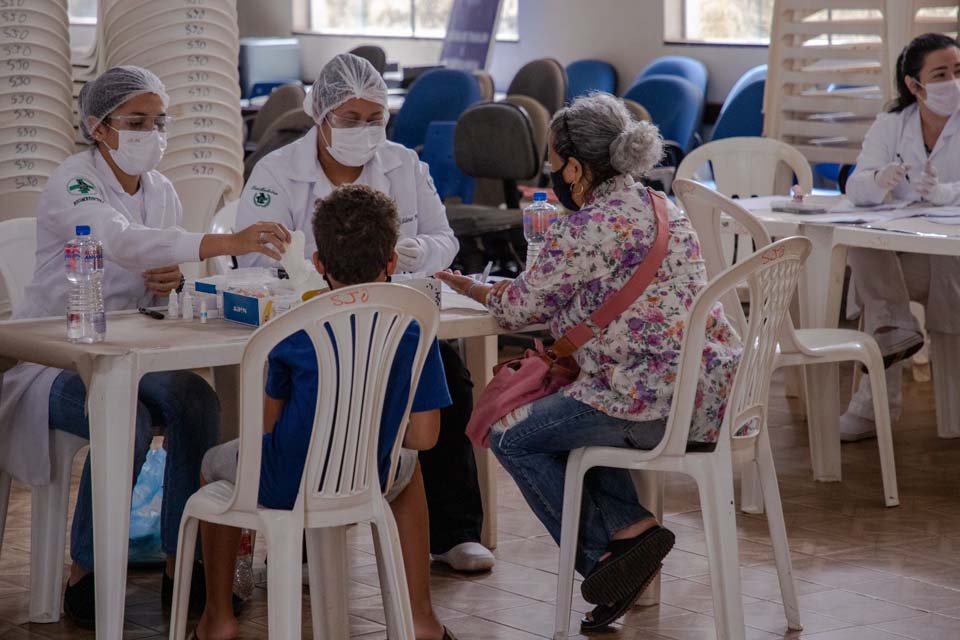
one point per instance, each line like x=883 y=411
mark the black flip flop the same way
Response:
x=603 y=615
x=632 y=562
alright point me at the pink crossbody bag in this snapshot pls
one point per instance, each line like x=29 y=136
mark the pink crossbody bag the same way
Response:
x=543 y=372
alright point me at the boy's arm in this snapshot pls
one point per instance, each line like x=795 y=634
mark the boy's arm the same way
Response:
x=423 y=430
x=272 y=408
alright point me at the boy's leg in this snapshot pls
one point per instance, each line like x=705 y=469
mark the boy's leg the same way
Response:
x=219 y=545
x=410 y=511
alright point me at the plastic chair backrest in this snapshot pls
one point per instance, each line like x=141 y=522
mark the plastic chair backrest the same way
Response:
x=585 y=76
x=18 y=249
x=539 y=118
x=771 y=276
x=441 y=94
x=746 y=167
x=496 y=140
x=373 y=54
x=438 y=154
x=674 y=103
x=282 y=100
x=638 y=111
x=355 y=333
x=742 y=111
x=682 y=66
x=544 y=80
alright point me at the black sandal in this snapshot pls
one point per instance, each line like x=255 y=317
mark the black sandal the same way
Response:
x=604 y=615
x=632 y=563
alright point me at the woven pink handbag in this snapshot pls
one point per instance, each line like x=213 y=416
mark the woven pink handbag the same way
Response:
x=543 y=372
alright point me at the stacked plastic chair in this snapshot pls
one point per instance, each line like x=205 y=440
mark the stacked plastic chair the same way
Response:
x=193 y=48
x=36 y=118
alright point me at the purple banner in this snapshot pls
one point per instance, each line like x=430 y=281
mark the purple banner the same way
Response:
x=470 y=31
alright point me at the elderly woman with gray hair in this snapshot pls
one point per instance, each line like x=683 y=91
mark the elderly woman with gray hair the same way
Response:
x=623 y=394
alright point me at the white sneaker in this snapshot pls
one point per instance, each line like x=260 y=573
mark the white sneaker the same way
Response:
x=853 y=428
x=467 y=557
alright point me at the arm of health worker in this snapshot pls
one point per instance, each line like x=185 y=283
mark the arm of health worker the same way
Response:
x=879 y=150
x=440 y=245
x=136 y=246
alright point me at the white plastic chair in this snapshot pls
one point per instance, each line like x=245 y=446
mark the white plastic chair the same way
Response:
x=706 y=209
x=224 y=221
x=366 y=323
x=48 y=512
x=771 y=276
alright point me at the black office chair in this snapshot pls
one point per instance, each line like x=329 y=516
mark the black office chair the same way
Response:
x=374 y=55
x=494 y=141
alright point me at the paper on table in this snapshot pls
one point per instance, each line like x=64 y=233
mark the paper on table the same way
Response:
x=845 y=206
x=450 y=300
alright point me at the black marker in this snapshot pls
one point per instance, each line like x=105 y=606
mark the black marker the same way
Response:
x=156 y=315
x=905 y=174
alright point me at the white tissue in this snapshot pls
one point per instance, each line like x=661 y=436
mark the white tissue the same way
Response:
x=303 y=277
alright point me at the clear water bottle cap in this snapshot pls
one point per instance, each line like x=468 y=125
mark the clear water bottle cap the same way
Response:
x=540 y=196
x=83 y=230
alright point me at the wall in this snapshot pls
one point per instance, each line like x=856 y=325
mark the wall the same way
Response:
x=627 y=33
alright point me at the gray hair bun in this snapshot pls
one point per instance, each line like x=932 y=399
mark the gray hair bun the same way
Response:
x=637 y=149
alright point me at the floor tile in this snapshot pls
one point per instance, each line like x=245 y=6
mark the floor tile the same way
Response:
x=854 y=608
x=926 y=627
x=910 y=593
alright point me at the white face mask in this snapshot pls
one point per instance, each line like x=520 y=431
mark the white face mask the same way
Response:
x=354 y=147
x=943 y=98
x=139 y=151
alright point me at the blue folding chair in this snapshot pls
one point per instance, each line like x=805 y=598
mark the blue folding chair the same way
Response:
x=585 y=76
x=441 y=94
x=675 y=105
x=438 y=154
x=742 y=112
x=683 y=66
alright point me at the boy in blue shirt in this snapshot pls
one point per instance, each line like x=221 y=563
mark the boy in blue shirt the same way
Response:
x=356 y=229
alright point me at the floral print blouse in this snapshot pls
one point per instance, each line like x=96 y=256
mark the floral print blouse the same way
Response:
x=628 y=370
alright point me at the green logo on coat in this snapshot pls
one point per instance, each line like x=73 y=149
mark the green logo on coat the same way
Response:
x=81 y=186
x=261 y=197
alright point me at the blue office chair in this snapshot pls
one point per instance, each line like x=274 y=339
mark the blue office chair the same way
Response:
x=742 y=111
x=675 y=105
x=438 y=154
x=683 y=66
x=441 y=94
x=585 y=76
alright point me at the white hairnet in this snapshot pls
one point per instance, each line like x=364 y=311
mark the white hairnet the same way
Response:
x=102 y=95
x=345 y=77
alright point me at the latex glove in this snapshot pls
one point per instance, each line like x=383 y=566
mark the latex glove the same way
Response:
x=889 y=176
x=411 y=255
x=929 y=187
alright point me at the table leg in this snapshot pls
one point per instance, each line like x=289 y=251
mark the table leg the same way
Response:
x=480 y=355
x=111 y=403
x=821 y=287
x=226 y=382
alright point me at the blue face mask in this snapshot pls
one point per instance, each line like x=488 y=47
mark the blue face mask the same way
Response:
x=562 y=190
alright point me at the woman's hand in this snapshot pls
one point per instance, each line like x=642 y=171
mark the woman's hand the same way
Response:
x=269 y=238
x=467 y=286
x=499 y=287
x=162 y=280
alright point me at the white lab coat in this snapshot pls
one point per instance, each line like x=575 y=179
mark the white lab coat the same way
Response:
x=138 y=232
x=899 y=133
x=286 y=183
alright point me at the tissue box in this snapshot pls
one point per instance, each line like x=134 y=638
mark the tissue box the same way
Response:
x=255 y=310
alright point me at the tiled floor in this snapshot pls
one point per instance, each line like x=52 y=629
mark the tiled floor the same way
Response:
x=863 y=572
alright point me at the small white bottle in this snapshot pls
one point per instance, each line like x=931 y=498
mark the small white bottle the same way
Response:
x=187 y=306
x=173 y=306
x=203 y=311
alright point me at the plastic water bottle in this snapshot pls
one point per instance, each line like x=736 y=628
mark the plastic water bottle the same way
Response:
x=537 y=218
x=86 y=321
x=243 y=570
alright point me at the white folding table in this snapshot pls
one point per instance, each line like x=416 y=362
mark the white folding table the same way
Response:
x=137 y=345
x=821 y=289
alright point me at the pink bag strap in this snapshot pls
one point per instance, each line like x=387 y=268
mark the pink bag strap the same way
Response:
x=631 y=291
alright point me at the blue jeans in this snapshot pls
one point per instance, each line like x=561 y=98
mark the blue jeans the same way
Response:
x=188 y=409
x=534 y=452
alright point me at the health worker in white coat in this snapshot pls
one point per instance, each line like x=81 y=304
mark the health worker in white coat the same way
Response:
x=911 y=153
x=133 y=210
x=349 y=146
x=348 y=102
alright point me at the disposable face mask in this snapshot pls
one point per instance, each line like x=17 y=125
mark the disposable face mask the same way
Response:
x=562 y=190
x=139 y=151
x=354 y=147
x=943 y=98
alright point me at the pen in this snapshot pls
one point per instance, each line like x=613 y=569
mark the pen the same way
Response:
x=156 y=315
x=905 y=175
x=486 y=272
